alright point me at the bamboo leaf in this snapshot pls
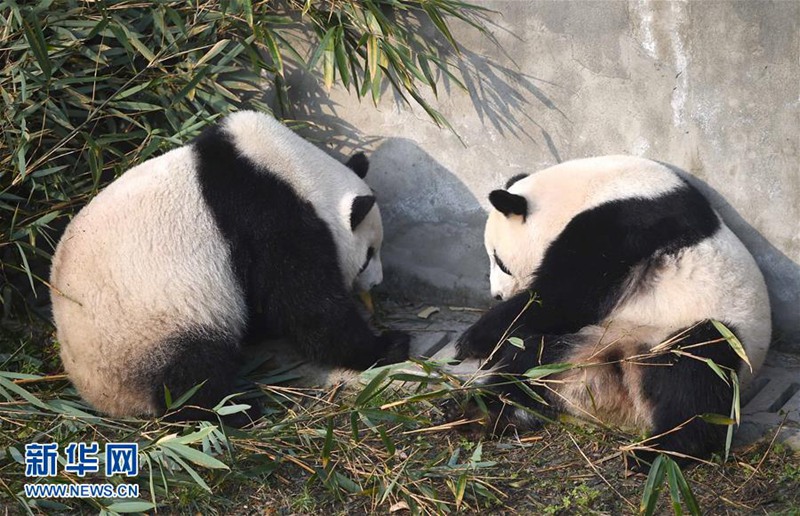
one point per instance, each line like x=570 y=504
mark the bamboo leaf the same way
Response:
x=218 y=47
x=342 y=61
x=227 y=410
x=686 y=491
x=516 y=342
x=373 y=56
x=674 y=489
x=372 y=389
x=323 y=45
x=22 y=393
x=733 y=341
x=547 y=369
x=38 y=45
x=131 y=506
x=652 y=487
x=717 y=419
x=714 y=367
x=274 y=51
x=195 y=456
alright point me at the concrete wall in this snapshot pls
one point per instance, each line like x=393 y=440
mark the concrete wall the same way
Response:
x=711 y=87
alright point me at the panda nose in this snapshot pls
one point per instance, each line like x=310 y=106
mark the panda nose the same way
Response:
x=498 y=297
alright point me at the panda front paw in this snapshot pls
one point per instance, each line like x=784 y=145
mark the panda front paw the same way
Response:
x=476 y=342
x=486 y=417
x=396 y=345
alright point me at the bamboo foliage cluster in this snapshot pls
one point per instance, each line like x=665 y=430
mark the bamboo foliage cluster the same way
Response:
x=92 y=87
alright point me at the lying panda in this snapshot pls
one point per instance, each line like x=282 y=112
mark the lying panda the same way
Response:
x=248 y=231
x=617 y=266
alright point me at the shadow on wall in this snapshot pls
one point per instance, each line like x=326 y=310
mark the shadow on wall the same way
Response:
x=781 y=273
x=501 y=96
x=319 y=118
x=433 y=244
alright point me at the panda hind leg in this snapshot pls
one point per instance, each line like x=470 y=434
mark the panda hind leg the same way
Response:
x=682 y=388
x=208 y=357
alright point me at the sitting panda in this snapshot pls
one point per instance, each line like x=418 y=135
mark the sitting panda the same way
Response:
x=617 y=266
x=249 y=231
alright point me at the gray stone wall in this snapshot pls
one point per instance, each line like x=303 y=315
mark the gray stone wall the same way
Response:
x=711 y=87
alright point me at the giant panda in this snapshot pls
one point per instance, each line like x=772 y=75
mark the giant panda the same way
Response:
x=617 y=266
x=249 y=231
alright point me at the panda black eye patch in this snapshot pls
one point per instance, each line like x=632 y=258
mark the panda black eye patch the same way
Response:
x=370 y=254
x=500 y=264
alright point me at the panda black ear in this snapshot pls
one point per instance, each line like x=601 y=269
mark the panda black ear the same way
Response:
x=515 y=179
x=509 y=204
x=361 y=206
x=359 y=164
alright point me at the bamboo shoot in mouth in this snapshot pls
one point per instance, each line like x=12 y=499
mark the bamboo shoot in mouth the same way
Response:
x=366 y=298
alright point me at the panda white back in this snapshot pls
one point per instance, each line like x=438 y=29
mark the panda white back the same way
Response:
x=628 y=263
x=162 y=277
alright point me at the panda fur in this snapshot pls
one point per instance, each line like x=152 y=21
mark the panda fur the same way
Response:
x=628 y=262
x=247 y=232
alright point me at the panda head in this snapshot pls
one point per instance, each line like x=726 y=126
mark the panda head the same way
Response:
x=509 y=241
x=362 y=267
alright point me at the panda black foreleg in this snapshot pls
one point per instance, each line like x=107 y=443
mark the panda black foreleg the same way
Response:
x=337 y=335
x=502 y=321
x=507 y=397
x=682 y=388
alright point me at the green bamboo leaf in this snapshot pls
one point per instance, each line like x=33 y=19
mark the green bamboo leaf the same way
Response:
x=419 y=378
x=354 y=425
x=188 y=90
x=377 y=81
x=441 y=25
x=373 y=56
x=652 y=488
x=131 y=506
x=341 y=58
x=688 y=496
x=25 y=266
x=714 y=367
x=192 y=438
x=323 y=45
x=227 y=410
x=547 y=369
x=218 y=47
x=717 y=419
x=188 y=469
x=516 y=342
x=195 y=456
x=274 y=51
x=461 y=488
x=328 y=65
x=372 y=389
x=387 y=441
x=328 y=445
x=38 y=45
x=247 y=7
x=737 y=405
x=733 y=342
x=22 y=393
x=347 y=483
x=674 y=489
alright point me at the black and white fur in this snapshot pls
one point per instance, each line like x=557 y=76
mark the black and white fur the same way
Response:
x=248 y=231
x=628 y=263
